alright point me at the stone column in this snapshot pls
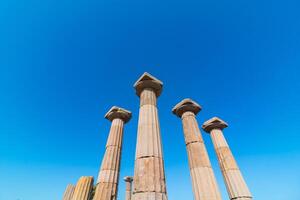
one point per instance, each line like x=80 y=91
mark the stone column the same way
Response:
x=83 y=188
x=128 y=180
x=149 y=175
x=235 y=183
x=69 y=192
x=203 y=179
x=108 y=178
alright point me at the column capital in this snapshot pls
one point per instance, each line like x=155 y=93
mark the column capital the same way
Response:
x=148 y=81
x=186 y=105
x=128 y=179
x=214 y=123
x=117 y=112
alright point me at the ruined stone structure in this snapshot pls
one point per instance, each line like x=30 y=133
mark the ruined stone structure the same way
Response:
x=128 y=180
x=203 y=179
x=149 y=175
x=83 y=188
x=69 y=192
x=108 y=178
x=235 y=183
x=149 y=181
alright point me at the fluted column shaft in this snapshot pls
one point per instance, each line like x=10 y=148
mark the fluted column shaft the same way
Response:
x=108 y=177
x=149 y=176
x=236 y=186
x=83 y=188
x=128 y=190
x=68 y=194
x=203 y=179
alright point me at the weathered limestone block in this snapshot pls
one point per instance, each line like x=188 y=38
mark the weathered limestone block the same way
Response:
x=203 y=179
x=83 y=188
x=197 y=155
x=149 y=176
x=128 y=180
x=235 y=183
x=109 y=160
x=148 y=139
x=108 y=178
x=69 y=192
x=106 y=190
x=204 y=186
x=150 y=167
x=150 y=196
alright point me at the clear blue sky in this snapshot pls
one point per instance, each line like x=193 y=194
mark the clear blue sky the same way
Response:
x=63 y=64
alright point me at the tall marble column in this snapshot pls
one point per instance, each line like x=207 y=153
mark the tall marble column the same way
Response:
x=149 y=175
x=128 y=180
x=203 y=179
x=108 y=178
x=83 y=188
x=69 y=192
x=235 y=183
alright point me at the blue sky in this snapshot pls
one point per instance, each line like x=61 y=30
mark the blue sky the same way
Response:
x=63 y=64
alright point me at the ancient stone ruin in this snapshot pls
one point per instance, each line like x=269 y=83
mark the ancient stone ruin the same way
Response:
x=148 y=182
